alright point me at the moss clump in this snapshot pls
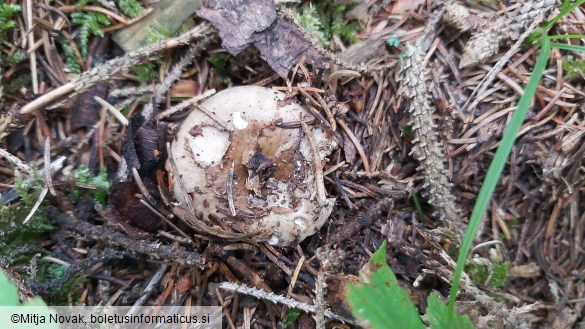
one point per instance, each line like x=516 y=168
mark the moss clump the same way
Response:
x=101 y=183
x=6 y=24
x=90 y=23
x=325 y=19
x=147 y=72
x=20 y=242
x=492 y=272
x=131 y=8
x=574 y=68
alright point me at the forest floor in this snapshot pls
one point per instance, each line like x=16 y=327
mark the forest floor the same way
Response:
x=418 y=95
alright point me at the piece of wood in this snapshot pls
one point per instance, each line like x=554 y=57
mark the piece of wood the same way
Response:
x=168 y=13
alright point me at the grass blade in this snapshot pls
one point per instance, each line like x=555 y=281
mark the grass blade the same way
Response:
x=565 y=46
x=566 y=36
x=496 y=168
x=566 y=8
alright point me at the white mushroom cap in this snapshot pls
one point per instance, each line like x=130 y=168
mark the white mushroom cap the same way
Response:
x=274 y=184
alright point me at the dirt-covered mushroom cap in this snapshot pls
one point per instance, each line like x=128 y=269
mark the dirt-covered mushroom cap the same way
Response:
x=250 y=143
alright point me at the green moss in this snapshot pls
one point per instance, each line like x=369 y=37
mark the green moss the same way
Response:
x=291 y=317
x=71 y=288
x=18 y=241
x=219 y=63
x=574 y=68
x=157 y=32
x=101 y=183
x=16 y=83
x=490 y=272
x=309 y=19
x=6 y=23
x=131 y=8
x=500 y=273
x=70 y=57
x=393 y=41
x=147 y=72
x=90 y=23
x=325 y=19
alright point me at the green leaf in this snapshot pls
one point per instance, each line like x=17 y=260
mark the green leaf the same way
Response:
x=438 y=314
x=9 y=295
x=380 y=300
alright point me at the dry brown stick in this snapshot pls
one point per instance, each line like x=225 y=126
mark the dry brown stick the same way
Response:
x=357 y=144
x=152 y=284
x=240 y=267
x=268 y=252
x=21 y=165
x=185 y=104
x=225 y=310
x=230 y=190
x=70 y=9
x=320 y=185
x=106 y=70
x=173 y=75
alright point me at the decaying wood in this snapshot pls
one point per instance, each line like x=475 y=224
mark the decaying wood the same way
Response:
x=116 y=239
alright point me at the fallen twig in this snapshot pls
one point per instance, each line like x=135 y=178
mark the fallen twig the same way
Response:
x=281 y=300
x=106 y=70
x=117 y=239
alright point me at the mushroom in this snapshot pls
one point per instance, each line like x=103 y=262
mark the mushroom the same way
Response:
x=246 y=159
